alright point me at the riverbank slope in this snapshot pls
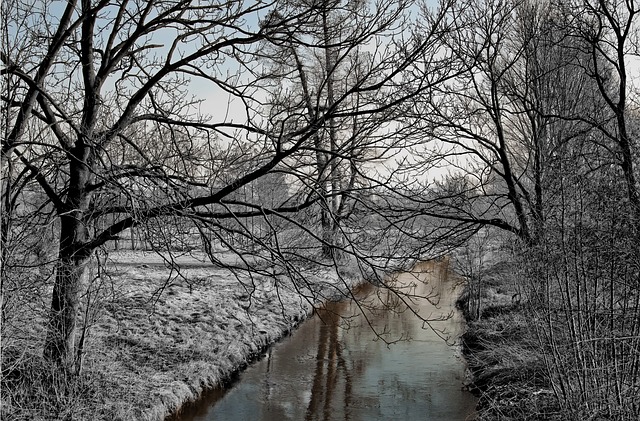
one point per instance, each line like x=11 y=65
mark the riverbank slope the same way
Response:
x=156 y=337
x=502 y=353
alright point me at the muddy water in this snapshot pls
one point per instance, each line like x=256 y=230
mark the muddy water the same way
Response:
x=340 y=364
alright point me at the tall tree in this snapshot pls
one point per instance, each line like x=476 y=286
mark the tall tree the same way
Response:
x=122 y=143
x=500 y=121
x=317 y=73
x=610 y=30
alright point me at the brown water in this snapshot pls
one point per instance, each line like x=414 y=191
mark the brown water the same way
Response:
x=337 y=366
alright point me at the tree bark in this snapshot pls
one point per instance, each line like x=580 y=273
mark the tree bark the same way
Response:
x=60 y=341
x=72 y=263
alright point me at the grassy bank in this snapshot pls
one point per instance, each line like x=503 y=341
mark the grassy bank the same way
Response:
x=156 y=338
x=501 y=349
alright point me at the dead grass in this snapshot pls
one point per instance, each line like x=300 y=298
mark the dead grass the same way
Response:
x=506 y=367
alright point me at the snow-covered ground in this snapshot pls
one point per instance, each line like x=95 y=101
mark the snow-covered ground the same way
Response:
x=159 y=336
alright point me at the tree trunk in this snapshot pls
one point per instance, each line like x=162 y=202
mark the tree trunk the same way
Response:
x=328 y=237
x=330 y=227
x=60 y=342
x=71 y=268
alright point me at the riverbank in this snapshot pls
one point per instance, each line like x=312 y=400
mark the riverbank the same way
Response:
x=503 y=356
x=156 y=337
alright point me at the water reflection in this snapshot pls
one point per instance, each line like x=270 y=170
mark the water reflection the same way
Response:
x=348 y=362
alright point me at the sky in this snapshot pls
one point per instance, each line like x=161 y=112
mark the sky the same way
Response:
x=222 y=107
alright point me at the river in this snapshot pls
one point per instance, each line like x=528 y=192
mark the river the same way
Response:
x=370 y=359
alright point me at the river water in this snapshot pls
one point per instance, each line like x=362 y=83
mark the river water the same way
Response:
x=373 y=359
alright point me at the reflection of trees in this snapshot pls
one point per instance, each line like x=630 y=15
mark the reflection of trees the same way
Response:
x=330 y=364
x=390 y=313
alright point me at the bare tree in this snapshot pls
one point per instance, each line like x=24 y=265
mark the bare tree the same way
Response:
x=122 y=143
x=316 y=73
x=498 y=124
x=536 y=128
x=610 y=31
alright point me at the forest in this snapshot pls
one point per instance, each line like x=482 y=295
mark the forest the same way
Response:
x=284 y=140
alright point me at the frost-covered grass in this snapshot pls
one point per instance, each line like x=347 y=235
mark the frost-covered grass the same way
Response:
x=158 y=336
